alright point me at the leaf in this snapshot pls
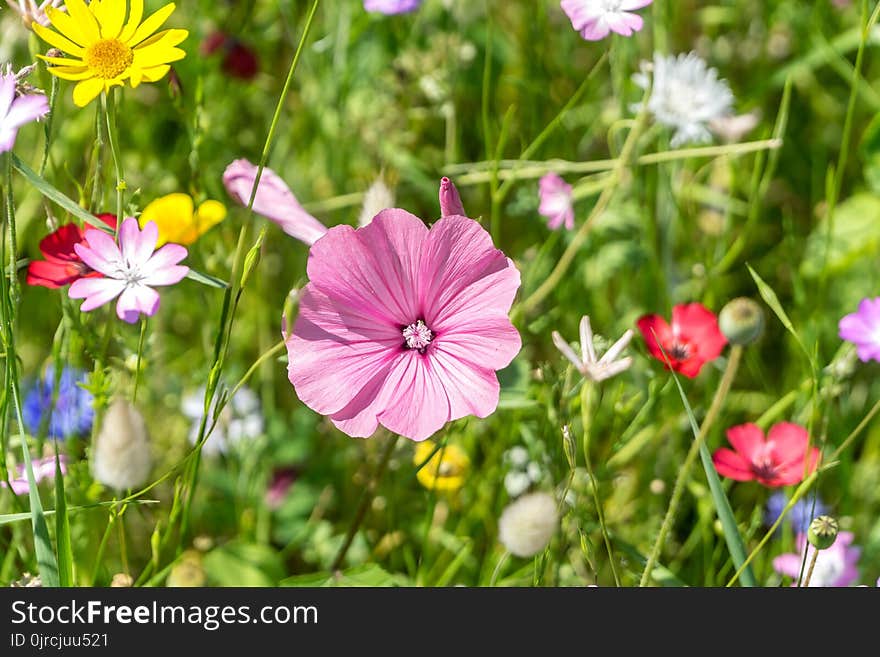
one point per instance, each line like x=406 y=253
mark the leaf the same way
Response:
x=855 y=234
x=9 y=518
x=206 y=279
x=46 y=562
x=62 y=528
x=366 y=575
x=243 y=564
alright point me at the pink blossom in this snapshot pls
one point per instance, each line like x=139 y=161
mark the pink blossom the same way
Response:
x=403 y=326
x=43 y=469
x=862 y=328
x=556 y=203
x=392 y=6
x=595 y=19
x=450 y=201
x=836 y=566
x=16 y=111
x=131 y=270
x=274 y=200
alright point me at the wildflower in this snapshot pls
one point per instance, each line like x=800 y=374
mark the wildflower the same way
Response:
x=556 y=203
x=17 y=110
x=595 y=19
x=781 y=459
x=686 y=95
x=62 y=266
x=403 y=326
x=450 y=201
x=73 y=412
x=835 y=566
x=516 y=483
x=862 y=328
x=377 y=198
x=121 y=453
x=32 y=12
x=587 y=365
x=178 y=221
x=800 y=515
x=527 y=525
x=282 y=480
x=274 y=200
x=445 y=471
x=105 y=49
x=691 y=341
x=130 y=270
x=392 y=6
x=239 y=60
x=43 y=469
x=240 y=420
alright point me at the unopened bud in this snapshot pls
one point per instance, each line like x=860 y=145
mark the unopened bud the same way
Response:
x=450 y=201
x=741 y=321
x=569 y=447
x=822 y=532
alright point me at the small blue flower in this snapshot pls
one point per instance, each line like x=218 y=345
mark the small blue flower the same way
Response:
x=73 y=412
x=801 y=514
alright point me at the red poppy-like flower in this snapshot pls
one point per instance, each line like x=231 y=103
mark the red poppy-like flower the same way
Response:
x=692 y=340
x=782 y=459
x=62 y=265
x=239 y=60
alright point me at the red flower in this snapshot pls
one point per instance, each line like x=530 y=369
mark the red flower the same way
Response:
x=780 y=460
x=239 y=60
x=693 y=339
x=62 y=265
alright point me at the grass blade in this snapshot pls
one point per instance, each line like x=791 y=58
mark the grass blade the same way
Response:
x=62 y=528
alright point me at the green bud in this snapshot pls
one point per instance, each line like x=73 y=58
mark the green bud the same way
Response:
x=741 y=321
x=822 y=532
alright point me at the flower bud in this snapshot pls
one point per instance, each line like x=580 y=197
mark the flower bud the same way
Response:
x=450 y=201
x=741 y=321
x=822 y=532
x=121 y=453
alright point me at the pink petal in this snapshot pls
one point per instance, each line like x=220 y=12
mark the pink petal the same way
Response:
x=7 y=93
x=372 y=271
x=161 y=268
x=732 y=465
x=581 y=12
x=484 y=342
x=135 y=244
x=419 y=407
x=747 y=439
x=789 y=441
x=101 y=254
x=631 y=5
x=788 y=564
x=359 y=418
x=595 y=30
x=137 y=300
x=624 y=24
x=95 y=291
x=26 y=109
x=470 y=390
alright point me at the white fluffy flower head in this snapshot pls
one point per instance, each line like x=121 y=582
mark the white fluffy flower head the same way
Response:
x=121 y=453
x=527 y=525
x=686 y=95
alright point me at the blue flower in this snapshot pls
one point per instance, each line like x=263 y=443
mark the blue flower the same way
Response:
x=73 y=412
x=800 y=515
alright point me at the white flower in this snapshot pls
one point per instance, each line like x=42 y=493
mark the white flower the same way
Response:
x=240 y=419
x=30 y=11
x=121 y=454
x=686 y=95
x=518 y=456
x=377 y=198
x=527 y=525
x=516 y=483
x=595 y=370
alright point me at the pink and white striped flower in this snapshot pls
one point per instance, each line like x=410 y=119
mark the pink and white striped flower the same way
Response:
x=130 y=270
x=404 y=326
x=596 y=19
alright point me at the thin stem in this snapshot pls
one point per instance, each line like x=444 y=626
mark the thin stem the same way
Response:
x=137 y=367
x=112 y=136
x=366 y=499
x=495 y=573
x=810 y=569
x=678 y=490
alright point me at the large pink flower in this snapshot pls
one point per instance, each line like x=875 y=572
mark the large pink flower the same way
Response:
x=130 y=270
x=403 y=326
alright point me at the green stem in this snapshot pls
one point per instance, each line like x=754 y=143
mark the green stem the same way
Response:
x=678 y=490
x=112 y=136
x=137 y=367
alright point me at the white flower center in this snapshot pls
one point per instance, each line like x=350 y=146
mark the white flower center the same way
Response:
x=418 y=336
x=611 y=5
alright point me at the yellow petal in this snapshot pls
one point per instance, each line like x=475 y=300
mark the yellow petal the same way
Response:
x=170 y=37
x=135 y=14
x=71 y=72
x=85 y=20
x=209 y=214
x=156 y=55
x=62 y=61
x=112 y=17
x=87 y=90
x=155 y=73
x=62 y=22
x=173 y=216
x=54 y=39
x=153 y=23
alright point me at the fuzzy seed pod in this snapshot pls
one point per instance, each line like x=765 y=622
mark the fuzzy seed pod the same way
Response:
x=121 y=453
x=527 y=525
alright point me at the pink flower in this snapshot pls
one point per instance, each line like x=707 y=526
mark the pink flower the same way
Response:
x=556 y=204
x=780 y=460
x=450 y=201
x=403 y=326
x=862 y=328
x=595 y=19
x=129 y=269
x=274 y=200
x=836 y=566
x=43 y=469
x=16 y=111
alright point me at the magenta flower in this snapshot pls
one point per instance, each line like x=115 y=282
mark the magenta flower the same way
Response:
x=862 y=328
x=16 y=111
x=595 y=19
x=403 y=326
x=836 y=566
x=274 y=200
x=556 y=202
x=392 y=6
x=43 y=469
x=131 y=270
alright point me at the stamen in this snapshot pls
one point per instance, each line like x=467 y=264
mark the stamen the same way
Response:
x=418 y=336
x=109 y=58
x=679 y=351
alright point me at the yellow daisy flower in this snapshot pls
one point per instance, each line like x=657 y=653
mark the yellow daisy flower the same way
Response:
x=105 y=49
x=178 y=220
x=446 y=470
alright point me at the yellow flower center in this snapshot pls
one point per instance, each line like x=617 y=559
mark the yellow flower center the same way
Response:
x=109 y=58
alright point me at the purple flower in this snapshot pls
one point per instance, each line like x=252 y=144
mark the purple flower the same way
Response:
x=43 y=469
x=835 y=566
x=556 y=202
x=800 y=515
x=595 y=19
x=15 y=111
x=392 y=6
x=131 y=270
x=862 y=328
